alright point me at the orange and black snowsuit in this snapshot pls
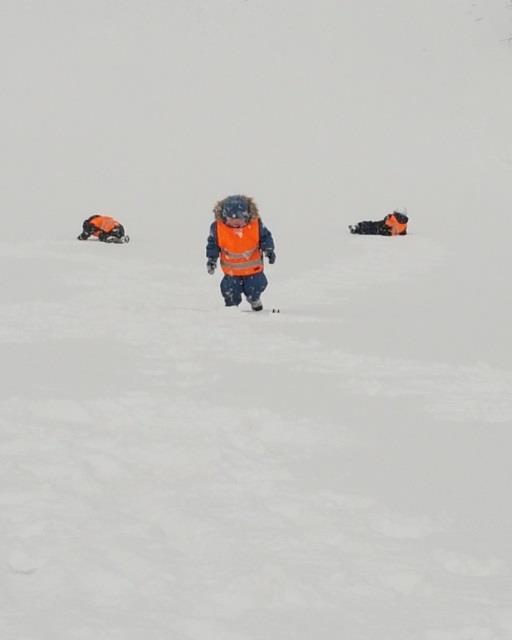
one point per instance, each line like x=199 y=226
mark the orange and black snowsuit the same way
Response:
x=241 y=252
x=394 y=224
x=102 y=227
x=397 y=224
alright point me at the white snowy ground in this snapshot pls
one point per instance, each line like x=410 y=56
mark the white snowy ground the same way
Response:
x=174 y=470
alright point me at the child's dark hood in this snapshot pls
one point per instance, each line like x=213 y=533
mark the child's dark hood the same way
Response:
x=401 y=217
x=252 y=208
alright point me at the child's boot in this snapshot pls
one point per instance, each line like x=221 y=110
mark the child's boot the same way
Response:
x=256 y=305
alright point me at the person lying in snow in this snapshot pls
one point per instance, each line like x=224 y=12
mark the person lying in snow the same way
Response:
x=394 y=224
x=240 y=239
x=104 y=228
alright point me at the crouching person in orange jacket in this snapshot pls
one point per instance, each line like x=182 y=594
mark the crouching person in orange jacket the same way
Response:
x=104 y=228
x=240 y=239
x=394 y=224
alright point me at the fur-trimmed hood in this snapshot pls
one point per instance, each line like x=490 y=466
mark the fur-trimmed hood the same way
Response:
x=251 y=207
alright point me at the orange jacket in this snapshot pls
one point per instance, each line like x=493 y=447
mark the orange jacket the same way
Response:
x=103 y=224
x=240 y=253
x=397 y=228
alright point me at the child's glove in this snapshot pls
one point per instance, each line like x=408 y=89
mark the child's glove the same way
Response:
x=210 y=266
x=271 y=256
x=82 y=236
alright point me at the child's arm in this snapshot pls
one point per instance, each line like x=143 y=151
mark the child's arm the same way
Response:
x=266 y=239
x=212 y=248
x=267 y=243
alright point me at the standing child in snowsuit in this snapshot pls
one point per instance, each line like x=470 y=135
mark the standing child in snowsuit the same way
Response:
x=240 y=239
x=394 y=224
x=104 y=228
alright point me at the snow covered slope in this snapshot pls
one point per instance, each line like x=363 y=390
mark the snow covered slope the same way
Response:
x=174 y=470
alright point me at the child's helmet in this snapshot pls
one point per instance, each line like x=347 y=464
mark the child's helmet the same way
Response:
x=235 y=208
x=401 y=210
